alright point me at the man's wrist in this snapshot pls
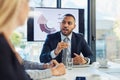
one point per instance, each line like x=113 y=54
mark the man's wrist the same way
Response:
x=56 y=52
x=87 y=60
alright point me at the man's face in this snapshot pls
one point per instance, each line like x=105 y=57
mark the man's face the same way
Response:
x=67 y=25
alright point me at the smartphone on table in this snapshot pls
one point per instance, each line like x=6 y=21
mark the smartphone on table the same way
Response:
x=80 y=78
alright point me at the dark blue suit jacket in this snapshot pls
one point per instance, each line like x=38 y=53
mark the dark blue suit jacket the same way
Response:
x=78 y=45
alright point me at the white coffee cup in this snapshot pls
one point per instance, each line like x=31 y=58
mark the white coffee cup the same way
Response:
x=103 y=63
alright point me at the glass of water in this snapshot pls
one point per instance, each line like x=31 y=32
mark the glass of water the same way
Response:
x=69 y=63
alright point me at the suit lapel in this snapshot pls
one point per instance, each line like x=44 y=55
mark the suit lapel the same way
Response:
x=58 y=37
x=73 y=44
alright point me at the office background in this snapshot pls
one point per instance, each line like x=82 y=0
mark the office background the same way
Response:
x=102 y=28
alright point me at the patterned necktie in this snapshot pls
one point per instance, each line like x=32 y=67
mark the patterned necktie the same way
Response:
x=65 y=52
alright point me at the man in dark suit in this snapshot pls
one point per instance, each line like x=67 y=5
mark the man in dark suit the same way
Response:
x=54 y=44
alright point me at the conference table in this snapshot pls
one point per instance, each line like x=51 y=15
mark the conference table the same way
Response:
x=90 y=72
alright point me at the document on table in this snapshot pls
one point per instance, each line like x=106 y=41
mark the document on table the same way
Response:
x=81 y=66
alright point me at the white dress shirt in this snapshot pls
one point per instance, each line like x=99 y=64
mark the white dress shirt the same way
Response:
x=62 y=38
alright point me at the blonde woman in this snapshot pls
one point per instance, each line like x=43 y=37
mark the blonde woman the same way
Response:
x=13 y=14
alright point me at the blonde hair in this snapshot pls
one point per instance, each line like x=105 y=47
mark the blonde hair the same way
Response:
x=8 y=11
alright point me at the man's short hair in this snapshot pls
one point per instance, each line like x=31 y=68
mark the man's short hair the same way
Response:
x=69 y=15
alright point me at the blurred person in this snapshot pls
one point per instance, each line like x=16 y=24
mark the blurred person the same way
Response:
x=55 y=44
x=13 y=14
x=49 y=69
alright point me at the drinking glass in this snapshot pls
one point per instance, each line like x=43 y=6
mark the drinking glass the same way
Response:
x=69 y=63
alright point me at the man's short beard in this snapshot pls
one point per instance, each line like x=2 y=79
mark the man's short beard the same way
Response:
x=66 y=34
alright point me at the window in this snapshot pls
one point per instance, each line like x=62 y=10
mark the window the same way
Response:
x=108 y=29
